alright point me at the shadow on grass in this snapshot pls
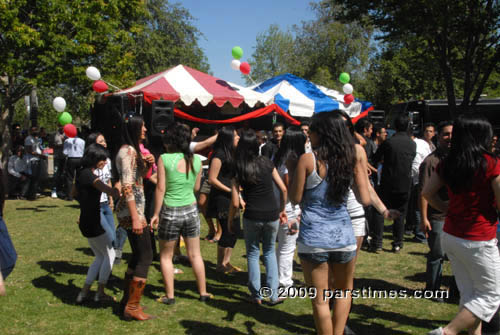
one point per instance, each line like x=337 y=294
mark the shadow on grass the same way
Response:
x=368 y=324
x=369 y=315
x=34 y=209
x=73 y=206
x=418 y=277
x=196 y=327
x=85 y=251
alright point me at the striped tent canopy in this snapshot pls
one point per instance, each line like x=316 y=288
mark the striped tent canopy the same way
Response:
x=302 y=98
x=182 y=83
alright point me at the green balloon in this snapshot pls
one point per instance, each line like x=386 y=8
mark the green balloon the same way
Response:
x=64 y=118
x=237 y=52
x=344 y=77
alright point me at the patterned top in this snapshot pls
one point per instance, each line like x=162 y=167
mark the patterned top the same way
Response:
x=132 y=186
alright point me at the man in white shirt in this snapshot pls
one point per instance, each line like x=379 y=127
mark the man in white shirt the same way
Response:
x=73 y=149
x=413 y=214
x=17 y=168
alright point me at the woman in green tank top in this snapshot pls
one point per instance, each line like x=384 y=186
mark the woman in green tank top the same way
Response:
x=176 y=212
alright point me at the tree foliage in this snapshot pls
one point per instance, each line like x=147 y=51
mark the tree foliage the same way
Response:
x=49 y=44
x=318 y=50
x=462 y=36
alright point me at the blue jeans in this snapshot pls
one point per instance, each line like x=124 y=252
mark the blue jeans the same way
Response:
x=256 y=231
x=8 y=255
x=121 y=237
x=108 y=222
x=434 y=257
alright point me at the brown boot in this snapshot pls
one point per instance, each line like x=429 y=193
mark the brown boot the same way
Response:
x=133 y=310
x=126 y=290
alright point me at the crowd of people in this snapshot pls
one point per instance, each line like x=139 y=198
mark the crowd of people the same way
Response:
x=322 y=190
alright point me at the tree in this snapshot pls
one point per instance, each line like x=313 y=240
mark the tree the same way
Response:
x=273 y=55
x=48 y=43
x=169 y=38
x=317 y=50
x=463 y=36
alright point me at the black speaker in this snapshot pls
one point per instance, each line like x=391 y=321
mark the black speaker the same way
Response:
x=162 y=114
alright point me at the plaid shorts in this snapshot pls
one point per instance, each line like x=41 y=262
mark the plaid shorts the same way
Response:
x=176 y=221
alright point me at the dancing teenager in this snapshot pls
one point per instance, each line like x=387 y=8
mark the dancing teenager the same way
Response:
x=292 y=146
x=326 y=242
x=220 y=174
x=89 y=188
x=472 y=176
x=179 y=176
x=130 y=213
x=255 y=175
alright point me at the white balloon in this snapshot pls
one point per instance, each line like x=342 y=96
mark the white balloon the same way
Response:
x=235 y=64
x=347 y=88
x=93 y=73
x=59 y=104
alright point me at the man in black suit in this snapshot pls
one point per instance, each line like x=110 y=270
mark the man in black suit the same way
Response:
x=396 y=155
x=271 y=147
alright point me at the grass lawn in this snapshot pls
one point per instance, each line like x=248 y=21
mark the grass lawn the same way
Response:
x=54 y=258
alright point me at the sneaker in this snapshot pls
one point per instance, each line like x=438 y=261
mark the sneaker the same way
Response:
x=438 y=331
x=53 y=195
x=374 y=249
x=396 y=249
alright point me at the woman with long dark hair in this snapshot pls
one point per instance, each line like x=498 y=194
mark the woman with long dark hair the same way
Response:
x=255 y=175
x=220 y=174
x=326 y=242
x=89 y=188
x=105 y=175
x=292 y=146
x=179 y=176
x=130 y=213
x=472 y=176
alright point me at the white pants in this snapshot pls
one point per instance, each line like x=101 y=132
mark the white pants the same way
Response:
x=286 y=249
x=476 y=266
x=104 y=259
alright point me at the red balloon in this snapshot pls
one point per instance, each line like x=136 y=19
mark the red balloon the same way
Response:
x=100 y=86
x=245 y=68
x=348 y=98
x=70 y=130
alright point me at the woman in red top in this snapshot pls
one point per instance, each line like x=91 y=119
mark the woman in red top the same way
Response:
x=472 y=176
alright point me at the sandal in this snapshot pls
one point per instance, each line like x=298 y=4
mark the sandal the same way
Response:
x=206 y=297
x=165 y=300
x=233 y=269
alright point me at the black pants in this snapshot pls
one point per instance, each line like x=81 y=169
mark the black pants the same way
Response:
x=397 y=201
x=33 y=179
x=142 y=255
x=69 y=173
x=149 y=194
x=16 y=185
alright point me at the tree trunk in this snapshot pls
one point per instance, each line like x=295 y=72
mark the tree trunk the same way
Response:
x=5 y=121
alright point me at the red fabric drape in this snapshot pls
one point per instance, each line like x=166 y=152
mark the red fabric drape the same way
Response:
x=252 y=115
x=361 y=115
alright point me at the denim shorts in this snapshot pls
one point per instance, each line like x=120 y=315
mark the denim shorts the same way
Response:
x=339 y=257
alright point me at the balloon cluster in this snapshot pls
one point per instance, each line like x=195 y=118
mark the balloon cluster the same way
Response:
x=236 y=65
x=64 y=118
x=93 y=74
x=344 y=78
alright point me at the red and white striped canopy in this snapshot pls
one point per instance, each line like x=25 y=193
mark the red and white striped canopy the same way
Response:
x=187 y=85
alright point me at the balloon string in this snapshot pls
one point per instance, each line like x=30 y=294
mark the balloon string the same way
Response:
x=256 y=86
x=115 y=87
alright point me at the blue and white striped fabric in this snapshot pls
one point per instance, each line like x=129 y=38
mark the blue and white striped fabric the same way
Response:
x=302 y=98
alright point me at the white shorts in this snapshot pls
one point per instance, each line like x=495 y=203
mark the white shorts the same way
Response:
x=359 y=226
x=476 y=266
